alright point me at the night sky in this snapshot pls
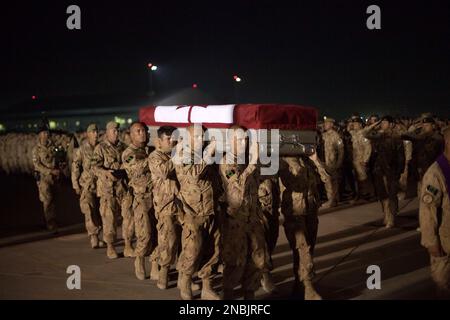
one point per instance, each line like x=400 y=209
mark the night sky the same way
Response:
x=316 y=53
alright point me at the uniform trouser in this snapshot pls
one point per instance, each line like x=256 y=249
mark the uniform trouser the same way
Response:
x=200 y=241
x=387 y=188
x=348 y=178
x=142 y=205
x=332 y=187
x=109 y=205
x=362 y=178
x=301 y=233
x=361 y=171
x=271 y=232
x=89 y=208
x=440 y=267
x=46 y=196
x=169 y=232
x=127 y=217
x=403 y=181
x=244 y=253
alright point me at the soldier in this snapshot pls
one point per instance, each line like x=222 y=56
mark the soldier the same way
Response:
x=334 y=156
x=84 y=183
x=167 y=208
x=135 y=163
x=244 y=249
x=200 y=236
x=269 y=202
x=47 y=174
x=427 y=146
x=111 y=185
x=300 y=177
x=388 y=165
x=434 y=216
x=362 y=150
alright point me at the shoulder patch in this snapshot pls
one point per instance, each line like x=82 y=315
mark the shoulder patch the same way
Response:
x=129 y=159
x=427 y=199
x=432 y=190
x=230 y=173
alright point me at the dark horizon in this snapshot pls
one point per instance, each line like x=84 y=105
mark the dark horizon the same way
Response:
x=319 y=54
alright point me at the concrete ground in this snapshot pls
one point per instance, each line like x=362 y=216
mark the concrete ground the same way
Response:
x=349 y=241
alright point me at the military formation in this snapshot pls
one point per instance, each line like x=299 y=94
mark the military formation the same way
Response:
x=177 y=207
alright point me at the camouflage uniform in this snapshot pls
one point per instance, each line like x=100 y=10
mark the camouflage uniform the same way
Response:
x=44 y=162
x=84 y=180
x=269 y=202
x=300 y=201
x=334 y=156
x=167 y=208
x=244 y=248
x=434 y=217
x=388 y=165
x=110 y=190
x=200 y=236
x=140 y=184
x=403 y=182
x=362 y=150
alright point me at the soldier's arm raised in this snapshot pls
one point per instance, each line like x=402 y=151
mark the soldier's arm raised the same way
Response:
x=251 y=167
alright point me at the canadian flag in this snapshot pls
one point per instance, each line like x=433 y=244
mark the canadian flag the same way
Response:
x=250 y=116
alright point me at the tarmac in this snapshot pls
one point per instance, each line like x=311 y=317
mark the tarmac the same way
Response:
x=33 y=265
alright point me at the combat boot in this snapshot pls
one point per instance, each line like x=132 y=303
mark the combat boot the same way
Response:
x=310 y=292
x=52 y=227
x=194 y=286
x=329 y=204
x=154 y=273
x=163 y=280
x=139 y=268
x=267 y=283
x=207 y=291
x=185 y=287
x=111 y=251
x=94 y=241
x=128 y=251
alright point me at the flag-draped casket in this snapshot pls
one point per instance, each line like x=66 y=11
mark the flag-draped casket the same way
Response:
x=296 y=124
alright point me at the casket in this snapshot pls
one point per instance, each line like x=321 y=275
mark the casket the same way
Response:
x=296 y=124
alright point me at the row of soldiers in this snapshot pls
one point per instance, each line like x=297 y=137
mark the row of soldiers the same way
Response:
x=16 y=151
x=227 y=214
x=196 y=212
x=380 y=159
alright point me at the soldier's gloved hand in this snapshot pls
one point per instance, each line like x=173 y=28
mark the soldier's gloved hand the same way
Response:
x=436 y=251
